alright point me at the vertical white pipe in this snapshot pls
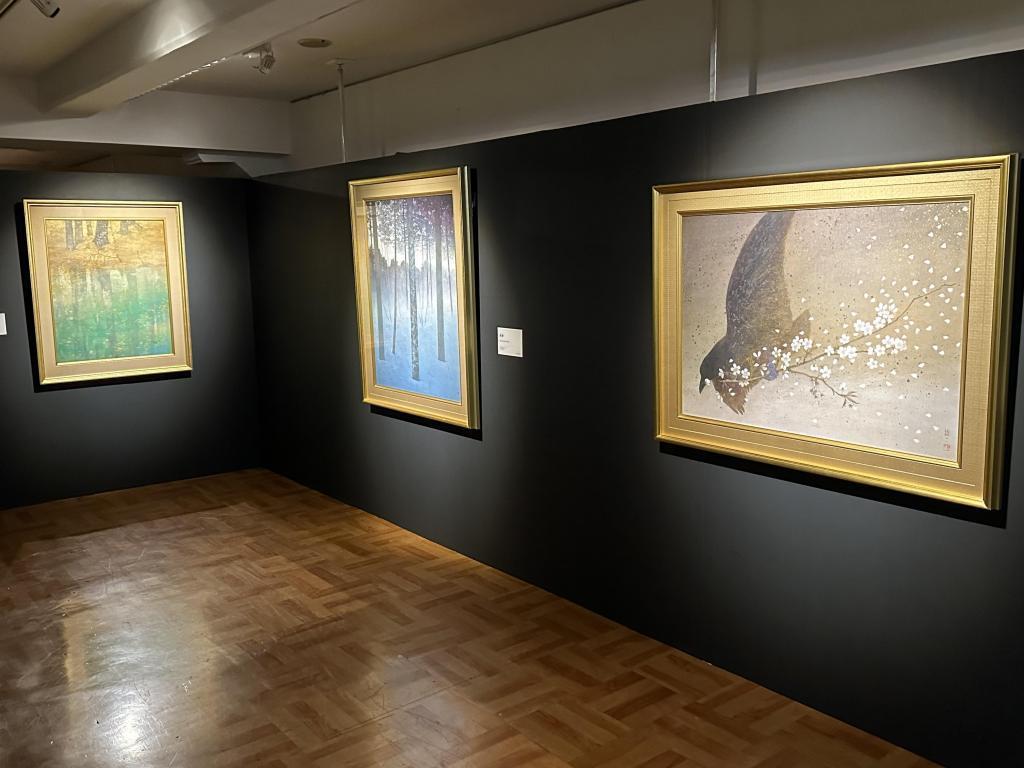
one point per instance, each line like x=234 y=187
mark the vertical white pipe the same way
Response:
x=341 y=101
x=713 y=68
x=755 y=47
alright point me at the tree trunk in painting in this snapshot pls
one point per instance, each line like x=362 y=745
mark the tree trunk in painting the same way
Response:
x=394 y=278
x=414 y=318
x=102 y=237
x=428 y=284
x=377 y=270
x=449 y=250
x=439 y=278
x=69 y=234
x=79 y=232
x=79 y=332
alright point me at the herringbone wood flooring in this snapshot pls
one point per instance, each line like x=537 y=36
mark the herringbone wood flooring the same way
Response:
x=243 y=620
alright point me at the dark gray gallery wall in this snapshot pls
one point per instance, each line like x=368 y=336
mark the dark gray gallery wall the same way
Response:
x=67 y=442
x=899 y=615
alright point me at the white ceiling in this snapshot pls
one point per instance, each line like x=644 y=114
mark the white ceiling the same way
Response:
x=28 y=157
x=97 y=57
x=376 y=36
x=31 y=43
x=100 y=71
x=383 y=36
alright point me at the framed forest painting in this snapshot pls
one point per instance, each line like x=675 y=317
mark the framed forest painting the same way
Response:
x=852 y=323
x=415 y=294
x=109 y=289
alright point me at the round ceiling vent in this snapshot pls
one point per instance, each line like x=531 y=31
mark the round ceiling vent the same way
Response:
x=314 y=42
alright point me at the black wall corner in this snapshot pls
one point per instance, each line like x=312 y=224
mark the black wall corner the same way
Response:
x=69 y=441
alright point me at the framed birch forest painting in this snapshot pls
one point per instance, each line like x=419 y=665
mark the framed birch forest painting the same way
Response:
x=109 y=289
x=852 y=323
x=415 y=294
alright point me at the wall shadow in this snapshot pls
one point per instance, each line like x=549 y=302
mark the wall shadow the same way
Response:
x=452 y=429
x=991 y=517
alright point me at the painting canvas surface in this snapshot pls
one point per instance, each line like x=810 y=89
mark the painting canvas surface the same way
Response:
x=414 y=295
x=109 y=288
x=841 y=323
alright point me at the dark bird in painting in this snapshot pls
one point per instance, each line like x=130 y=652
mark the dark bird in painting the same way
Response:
x=757 y=310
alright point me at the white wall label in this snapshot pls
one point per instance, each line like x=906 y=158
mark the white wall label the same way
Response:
x=3 y=324
x=510 y=342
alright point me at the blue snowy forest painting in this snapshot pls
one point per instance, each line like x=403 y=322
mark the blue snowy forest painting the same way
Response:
x=414 y=294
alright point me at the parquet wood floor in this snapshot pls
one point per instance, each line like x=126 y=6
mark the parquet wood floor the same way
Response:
x=243 y=620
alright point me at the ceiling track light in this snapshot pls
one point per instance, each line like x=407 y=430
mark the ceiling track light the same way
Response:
x=262 y=58
x=48 y=8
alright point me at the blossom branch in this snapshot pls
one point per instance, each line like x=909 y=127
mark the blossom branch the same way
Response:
x=882 y=329
x=846 y=349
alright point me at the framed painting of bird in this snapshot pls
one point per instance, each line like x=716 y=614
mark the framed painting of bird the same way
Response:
x=852 y=323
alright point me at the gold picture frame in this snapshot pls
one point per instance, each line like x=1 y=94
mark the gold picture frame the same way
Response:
x=109 y=289
x=853 y=323
x=415 y=294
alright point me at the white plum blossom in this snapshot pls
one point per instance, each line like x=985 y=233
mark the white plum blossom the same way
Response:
x=894 y=344
x=800 y=342
x=884 y=335
x=884 y=314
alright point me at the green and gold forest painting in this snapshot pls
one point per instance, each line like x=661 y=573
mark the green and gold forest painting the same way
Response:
x=109 y=288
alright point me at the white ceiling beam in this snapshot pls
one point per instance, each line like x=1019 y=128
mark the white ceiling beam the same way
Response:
x=164 y=120
x=164 y=40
